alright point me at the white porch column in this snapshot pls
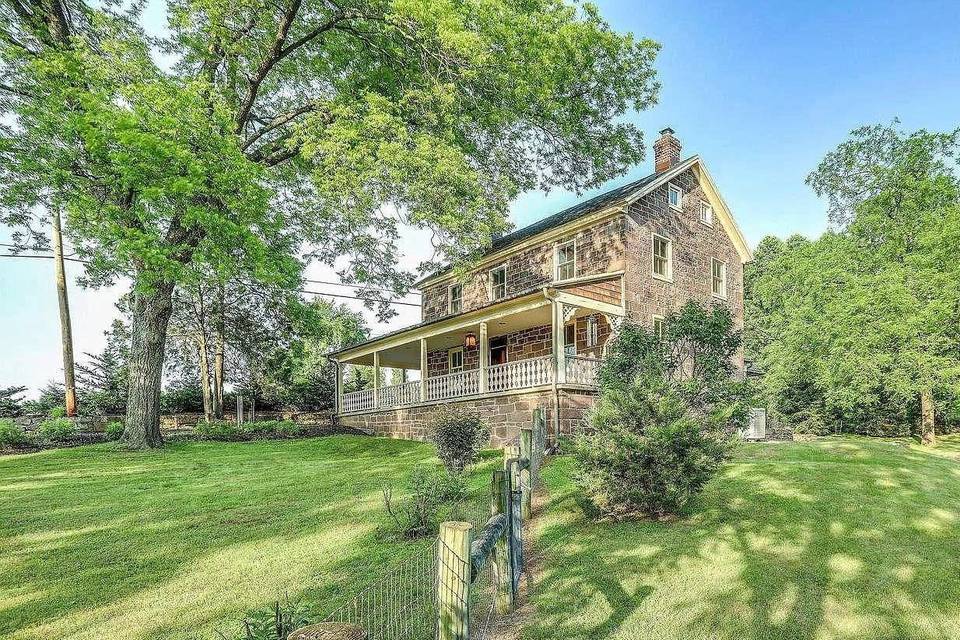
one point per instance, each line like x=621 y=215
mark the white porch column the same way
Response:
x=376 y=379
x=339 y=386
x=423 y=369
x=559 y=355
x=484 y=356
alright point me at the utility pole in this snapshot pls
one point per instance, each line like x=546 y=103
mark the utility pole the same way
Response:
x=66 y=332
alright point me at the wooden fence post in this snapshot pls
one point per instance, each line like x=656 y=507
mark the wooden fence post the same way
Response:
x=526 y=475
x=453 y=580
x=539 y=440
x=502 y=558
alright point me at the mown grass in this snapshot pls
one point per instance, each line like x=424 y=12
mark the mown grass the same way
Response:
x=100 y=543
x=838 y=538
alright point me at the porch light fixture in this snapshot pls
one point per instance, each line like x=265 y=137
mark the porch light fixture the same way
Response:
x=470 y=340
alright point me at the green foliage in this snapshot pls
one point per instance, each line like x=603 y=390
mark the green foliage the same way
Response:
x=181 y=398
x=458 y=436
x=218 y=430
x=852 y=327
x=114 y=429
x=58 y=411
x=430 y=492
x=666 y=418
x=57 y=430
x=276 y=622
x=102 y=379
x=10 y=434
x=11 y=404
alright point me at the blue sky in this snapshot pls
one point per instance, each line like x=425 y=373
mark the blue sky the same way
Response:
x=760 y=90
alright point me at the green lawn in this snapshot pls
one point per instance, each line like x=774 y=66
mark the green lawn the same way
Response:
x=841 y=538
x=100 y=543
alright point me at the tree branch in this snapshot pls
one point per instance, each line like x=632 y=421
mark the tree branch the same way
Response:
x=279 y=121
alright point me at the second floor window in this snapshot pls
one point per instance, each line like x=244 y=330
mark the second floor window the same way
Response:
x=498 y=282
x=718 y=278
x=455 y=298
x=662 y=258
x=566 y=260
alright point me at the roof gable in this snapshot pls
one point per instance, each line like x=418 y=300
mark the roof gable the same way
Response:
x=621 y=196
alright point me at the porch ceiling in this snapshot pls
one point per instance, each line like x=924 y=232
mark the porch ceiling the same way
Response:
x=407 y=355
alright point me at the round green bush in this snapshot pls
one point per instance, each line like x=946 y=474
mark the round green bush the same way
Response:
x=114 y=429
x=10 y=434
x=57 y=429
x=458 y=436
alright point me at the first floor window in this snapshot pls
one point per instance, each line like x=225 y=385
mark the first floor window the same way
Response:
x=566 y=260
x=658 y=326
x=718 y=278
x=570 y=339
x=455 y=359
x=455 y=298
x=498 y=282
x=592 y=331
x=662 y=257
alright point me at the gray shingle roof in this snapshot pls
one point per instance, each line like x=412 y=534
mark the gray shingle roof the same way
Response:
x=567 y=215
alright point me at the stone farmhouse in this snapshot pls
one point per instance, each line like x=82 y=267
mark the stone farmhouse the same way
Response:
x=529 y=325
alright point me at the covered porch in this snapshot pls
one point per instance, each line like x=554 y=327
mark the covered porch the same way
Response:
x=544 y=340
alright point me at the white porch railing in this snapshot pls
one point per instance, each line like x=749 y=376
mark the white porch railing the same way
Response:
x=582 y=370
x=397 y=395
x=358 y=400
x=452 y=385
x=520 y=374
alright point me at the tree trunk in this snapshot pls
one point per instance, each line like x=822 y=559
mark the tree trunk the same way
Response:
x=218 y=347
x=927 y=429
x=208 y=409
x=148 y=329
x=66 y=331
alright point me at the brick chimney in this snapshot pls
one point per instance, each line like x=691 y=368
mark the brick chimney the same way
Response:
x=666 y=151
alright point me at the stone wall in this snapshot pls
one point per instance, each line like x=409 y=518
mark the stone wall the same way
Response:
x=599 y=249
x=505 y=414
x=693 y=244
x=182 y=421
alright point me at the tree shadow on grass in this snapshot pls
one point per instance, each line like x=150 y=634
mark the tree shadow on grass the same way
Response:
x=91 y=533
x=835 y=539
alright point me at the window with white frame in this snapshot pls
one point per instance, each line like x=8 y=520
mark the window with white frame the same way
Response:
x=455 y=298
x=570 y=339
x=675 y=196
x=455 y=360
x=718 y=278
x=498 y=282
x=593 y=331
x=658 y=326
x=706 y=213
x=662 y=257
x=566 y=260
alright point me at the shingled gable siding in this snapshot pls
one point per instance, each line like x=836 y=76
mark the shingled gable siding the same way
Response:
x=600 y=249
x=694 y=244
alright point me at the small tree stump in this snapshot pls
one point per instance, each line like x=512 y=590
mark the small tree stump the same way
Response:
x=329 y=631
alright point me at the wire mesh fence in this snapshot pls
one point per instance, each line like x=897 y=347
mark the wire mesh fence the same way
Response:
x=414 y=597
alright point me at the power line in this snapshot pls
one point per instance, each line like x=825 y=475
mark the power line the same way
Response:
x=338 y=295
x=316 y=293
x=344 y=284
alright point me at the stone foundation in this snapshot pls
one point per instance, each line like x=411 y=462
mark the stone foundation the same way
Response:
x=505 y=414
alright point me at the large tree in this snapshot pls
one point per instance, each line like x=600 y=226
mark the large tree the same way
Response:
x=866 y=318
x=298 y=129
